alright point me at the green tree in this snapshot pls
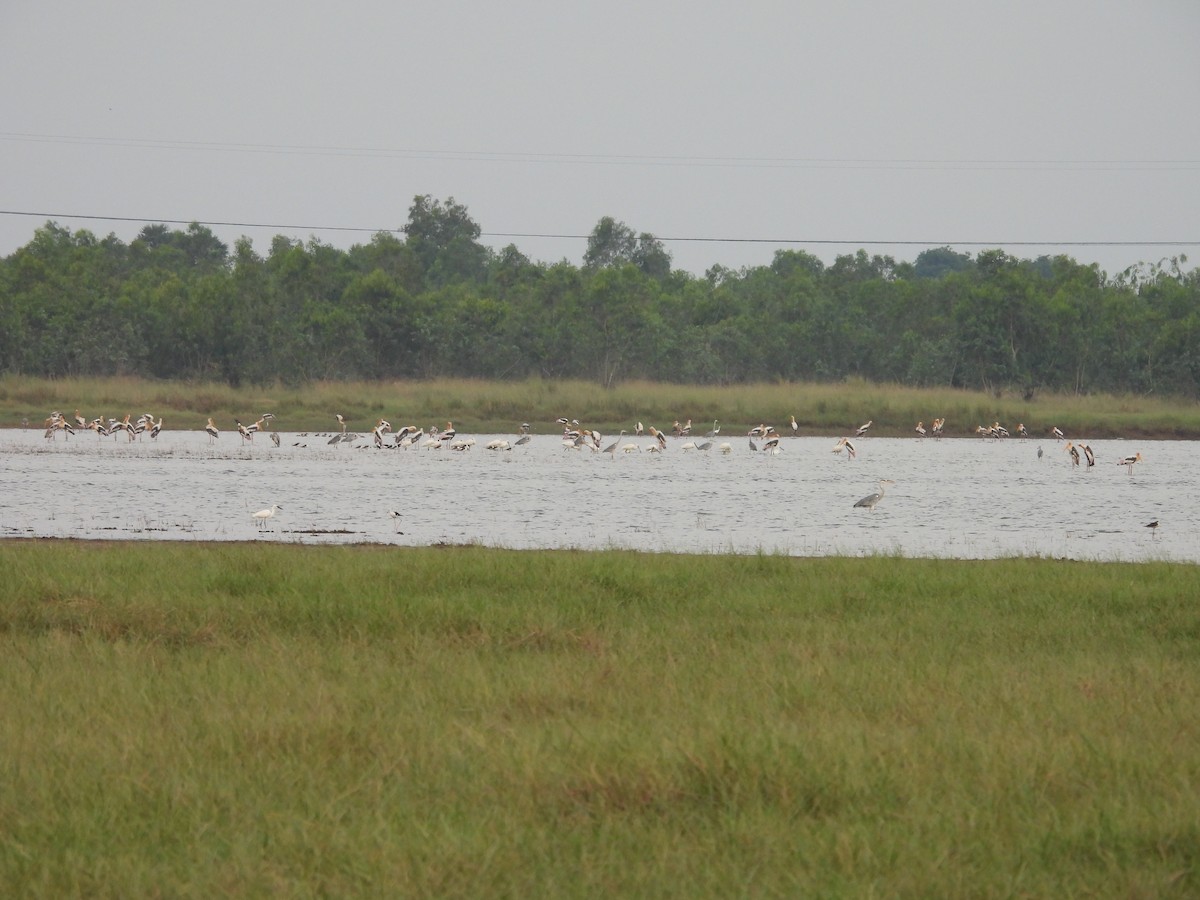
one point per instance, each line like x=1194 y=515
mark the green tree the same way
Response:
x=445 y=240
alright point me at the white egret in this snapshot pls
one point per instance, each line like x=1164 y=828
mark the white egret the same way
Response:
x=262 y=515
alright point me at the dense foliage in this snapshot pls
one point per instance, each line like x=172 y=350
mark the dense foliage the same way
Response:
x=437 y=302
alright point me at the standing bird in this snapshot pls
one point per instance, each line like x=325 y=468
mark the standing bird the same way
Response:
x=716 y=429
x=872 y=500
x=862 y=429
x=920 y=429
x=262 y=515
x=612 y=448
x=156 y=429
x=395 y=517
x=1021 y=430
x=1074 y=451
x=1039 y=452
x=1087 y=451
x=246 y=433
x=849 y=447
x=275 y=438
x=1153 y=526
x=341 y=421
x=213 y=432
x=795 y=427
x=1057 y=432
x=1130 y=461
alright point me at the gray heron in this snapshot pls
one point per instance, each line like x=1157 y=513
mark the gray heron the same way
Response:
x=872 y=500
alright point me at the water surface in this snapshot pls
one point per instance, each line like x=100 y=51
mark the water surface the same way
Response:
x=954 y=498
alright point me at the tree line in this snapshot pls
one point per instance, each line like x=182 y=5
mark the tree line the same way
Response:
x=432 y=301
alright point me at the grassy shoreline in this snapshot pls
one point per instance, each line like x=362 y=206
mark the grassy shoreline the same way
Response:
x=498 y=407
x=191 y=719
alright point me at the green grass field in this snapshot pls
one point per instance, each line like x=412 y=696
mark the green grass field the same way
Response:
x=189 y=720
x=499 y=407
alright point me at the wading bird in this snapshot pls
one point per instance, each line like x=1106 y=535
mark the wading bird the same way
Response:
x=1074 y=451
x=1153 y=526
x=872 y=500
x=920 y=429
x=795 y=427
x=862 y=429
x=1130 y=461
x=262 y=515
x=213 y=432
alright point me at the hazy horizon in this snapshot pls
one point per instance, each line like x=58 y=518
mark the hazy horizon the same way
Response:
x=1036 y=128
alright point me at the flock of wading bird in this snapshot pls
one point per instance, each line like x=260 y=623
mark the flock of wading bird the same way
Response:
x=762 y=438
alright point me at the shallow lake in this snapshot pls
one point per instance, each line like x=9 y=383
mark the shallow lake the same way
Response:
x=953 y=498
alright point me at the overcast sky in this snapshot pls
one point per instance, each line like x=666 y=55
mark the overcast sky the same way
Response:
x=768 y=123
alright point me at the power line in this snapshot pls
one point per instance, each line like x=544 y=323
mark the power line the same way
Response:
x=872 y=242
x=613 y=159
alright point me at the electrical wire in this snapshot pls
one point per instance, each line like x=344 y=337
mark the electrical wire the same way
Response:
x=869 y=242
